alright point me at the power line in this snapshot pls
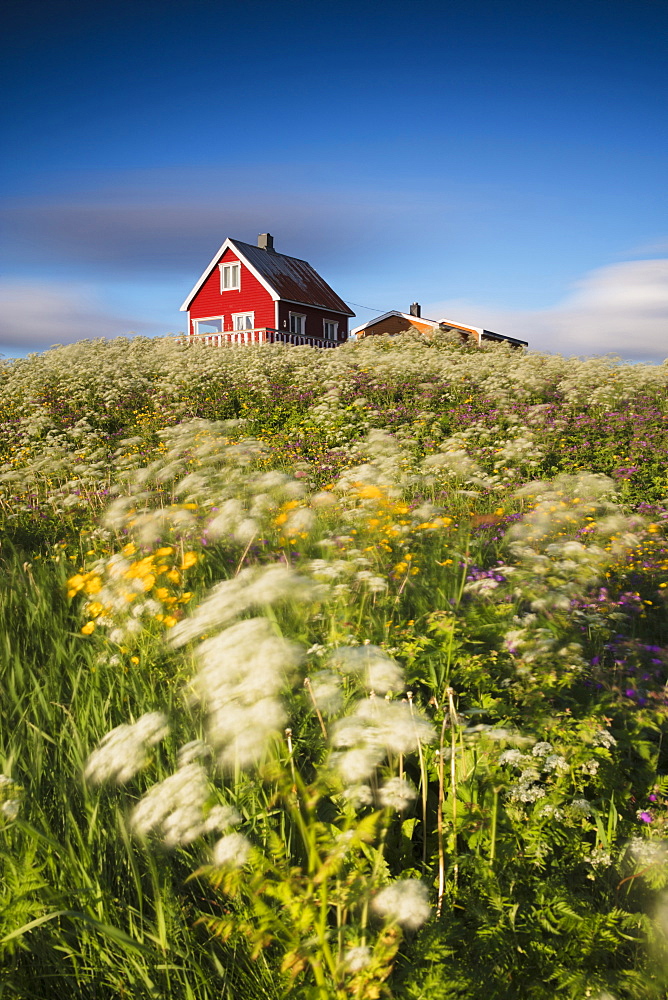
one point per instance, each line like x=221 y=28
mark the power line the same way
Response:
x=360 y=306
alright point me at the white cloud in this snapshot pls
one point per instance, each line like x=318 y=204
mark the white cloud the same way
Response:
x=620 y=309
x=34 y=315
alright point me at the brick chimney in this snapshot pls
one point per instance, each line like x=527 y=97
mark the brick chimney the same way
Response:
x=265 y=241
x=415 y=309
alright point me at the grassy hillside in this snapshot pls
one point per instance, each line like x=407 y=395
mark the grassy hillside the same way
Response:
x=380 y=638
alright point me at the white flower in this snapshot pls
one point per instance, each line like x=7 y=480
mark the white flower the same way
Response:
x=526 y=792
x=253 y=587
x=555 y=762
x=604 y=739
x=391 y=724
x=598 y=858
x=123 y=751
x=513 y=757
x=174 y=808
x=405 y=902
x=397 y=793
x=378 y=671
x=242 y=671
x=326 y=690
x=358 y=796
x=358 y=764
x=10 y=809
x=580 y=807
x=192 y=751
x=357 y=958
x=590 y=766
x=541 y=749
x=231 y=851
x=220 y=818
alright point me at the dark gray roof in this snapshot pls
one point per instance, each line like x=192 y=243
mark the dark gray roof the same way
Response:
x=292 y=279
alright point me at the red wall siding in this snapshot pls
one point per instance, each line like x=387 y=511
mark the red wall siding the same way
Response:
x=252 y=297
x=314 y=320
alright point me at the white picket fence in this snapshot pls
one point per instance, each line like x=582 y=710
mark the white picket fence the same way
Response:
x=259 y=335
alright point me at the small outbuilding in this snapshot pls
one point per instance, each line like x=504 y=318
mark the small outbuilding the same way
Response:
x=252 y=294
x=394 y=322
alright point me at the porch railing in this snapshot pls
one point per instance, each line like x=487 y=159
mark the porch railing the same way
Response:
x=259 y=335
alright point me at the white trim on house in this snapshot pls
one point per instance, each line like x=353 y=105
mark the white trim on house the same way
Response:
x=209 y=319
x=330 y=322
x=228 y=244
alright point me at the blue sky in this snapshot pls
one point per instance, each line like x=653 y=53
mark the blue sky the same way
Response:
x=503 y=163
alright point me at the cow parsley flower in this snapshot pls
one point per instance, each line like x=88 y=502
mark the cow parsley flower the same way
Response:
x=397 y=793
x=377 y=671
x=356 y=959
x=555 y=762
x=231 y=851
x=604 y=739
x=404 y=902
x=358 y=796
x=123 y=751
x=174 y=808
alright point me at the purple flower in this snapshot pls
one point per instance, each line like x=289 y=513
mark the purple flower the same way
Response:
x=645 y=817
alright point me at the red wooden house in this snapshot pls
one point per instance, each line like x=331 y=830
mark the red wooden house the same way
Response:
x=252 y=294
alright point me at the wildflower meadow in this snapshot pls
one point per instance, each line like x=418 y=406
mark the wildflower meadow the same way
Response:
x=333 y=674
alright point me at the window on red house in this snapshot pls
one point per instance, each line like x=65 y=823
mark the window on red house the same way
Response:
x=230 y=277
x=243 y=321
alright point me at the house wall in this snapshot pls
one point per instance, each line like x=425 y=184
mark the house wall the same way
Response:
x=314 y=320
x=251 y=297
x=395 y=324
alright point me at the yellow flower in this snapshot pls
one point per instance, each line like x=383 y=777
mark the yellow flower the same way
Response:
x=134 y=659
x=166 y=550
x=174 y=576
x=95 y=609
x=88 y=628
x=370 y=493
x=162 y=593
x=93 y=586
x=130 y=549
x=75 y=583
x=189 y=559
x=170 y=621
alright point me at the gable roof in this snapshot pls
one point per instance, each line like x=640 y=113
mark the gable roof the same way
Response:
x=287 y=278
x=395 y=312
x=418 y=321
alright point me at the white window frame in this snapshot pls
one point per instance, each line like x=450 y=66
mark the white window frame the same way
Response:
x=330 y=322
x=228 y=265
x=302 y=324
x=208 y=319
x=240 y=316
